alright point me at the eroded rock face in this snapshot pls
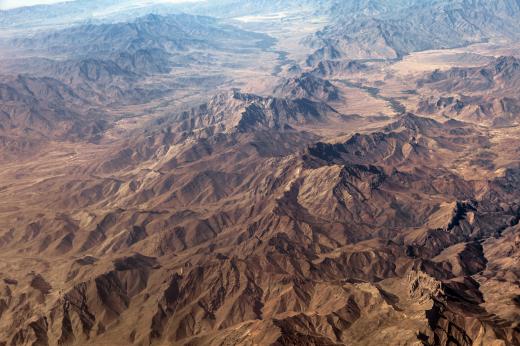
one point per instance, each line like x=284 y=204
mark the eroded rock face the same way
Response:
x=423 y=287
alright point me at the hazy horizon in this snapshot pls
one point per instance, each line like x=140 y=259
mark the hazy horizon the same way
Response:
x=11 y=4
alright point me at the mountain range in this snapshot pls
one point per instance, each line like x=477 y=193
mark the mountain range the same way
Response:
x=260 y=173
x=392 y=29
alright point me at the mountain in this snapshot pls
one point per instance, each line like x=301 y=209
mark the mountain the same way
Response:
x=41 y=17
x=327 y=68
x=46 y=106
x=309 y=86
x=270 y=127
x=335 y=210
x=172 y=33
x=236 y=111
x=113 y=60
x=380 y=29
x=267 y=172
x=503 y=74
x=484 y=94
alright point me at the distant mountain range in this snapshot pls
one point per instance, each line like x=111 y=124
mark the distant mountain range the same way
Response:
x=111 y=63
x=487 y=94
x=42 y=106
x=392 y=29
x=170 y=33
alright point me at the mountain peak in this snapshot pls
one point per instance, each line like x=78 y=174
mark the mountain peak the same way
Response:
x=308 y=86
x=506 y=65
x=414 y=122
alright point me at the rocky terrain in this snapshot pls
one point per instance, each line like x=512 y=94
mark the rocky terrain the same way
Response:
x=228 y=177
